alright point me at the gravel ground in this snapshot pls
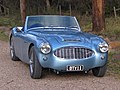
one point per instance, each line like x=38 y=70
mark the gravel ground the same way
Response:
x=15 y=76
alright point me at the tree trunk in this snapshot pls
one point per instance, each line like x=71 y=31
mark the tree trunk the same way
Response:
x=48 y=4
x=23 y=10
x=98 y=18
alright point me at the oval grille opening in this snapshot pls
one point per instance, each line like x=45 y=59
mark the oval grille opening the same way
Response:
x=73 y=53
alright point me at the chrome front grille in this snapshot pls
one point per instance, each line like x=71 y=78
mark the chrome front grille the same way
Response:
x=73 y=53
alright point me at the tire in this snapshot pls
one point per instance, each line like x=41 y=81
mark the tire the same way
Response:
x=34 y=66
x=12 y=52
x=99 y=71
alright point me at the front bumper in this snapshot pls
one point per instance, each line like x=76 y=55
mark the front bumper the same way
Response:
x=53 y=62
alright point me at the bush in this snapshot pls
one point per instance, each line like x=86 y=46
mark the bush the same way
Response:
x=3 y=36
x=9 y=21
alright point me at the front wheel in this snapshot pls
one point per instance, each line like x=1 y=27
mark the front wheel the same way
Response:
x=99 y=71
x=35 y=67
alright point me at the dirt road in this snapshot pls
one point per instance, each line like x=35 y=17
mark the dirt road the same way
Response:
x=15 y=76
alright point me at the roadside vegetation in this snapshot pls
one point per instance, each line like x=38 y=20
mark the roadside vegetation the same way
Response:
x=10 y=21
x=3 y=36
x=114 y=63
x=112 y=32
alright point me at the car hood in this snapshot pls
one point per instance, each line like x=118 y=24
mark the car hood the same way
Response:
x=60 y=37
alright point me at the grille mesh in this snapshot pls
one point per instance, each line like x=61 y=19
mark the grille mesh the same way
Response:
x=73 y=53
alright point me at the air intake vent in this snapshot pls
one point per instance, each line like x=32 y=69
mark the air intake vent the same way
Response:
x=71 y=40
x=73 y=53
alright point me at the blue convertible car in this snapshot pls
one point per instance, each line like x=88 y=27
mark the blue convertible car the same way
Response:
x=57 y=43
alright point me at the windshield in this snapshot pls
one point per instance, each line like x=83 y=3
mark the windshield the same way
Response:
x=51 y=22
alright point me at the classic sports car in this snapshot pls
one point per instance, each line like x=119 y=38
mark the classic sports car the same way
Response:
x=57 y=43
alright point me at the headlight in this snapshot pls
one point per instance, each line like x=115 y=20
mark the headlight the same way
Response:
x=45 y=48
x=103 y=47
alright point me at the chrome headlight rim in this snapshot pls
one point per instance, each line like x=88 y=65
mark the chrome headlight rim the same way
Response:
x=45 y=48
x=103 y=47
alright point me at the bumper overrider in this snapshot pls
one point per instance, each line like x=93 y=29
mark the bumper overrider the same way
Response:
x=73 y=58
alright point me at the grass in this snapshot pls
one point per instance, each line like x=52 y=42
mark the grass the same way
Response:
x=112 y=28
x=85 y=23
x=3 y=36
x=10 y=21
x=114 y=64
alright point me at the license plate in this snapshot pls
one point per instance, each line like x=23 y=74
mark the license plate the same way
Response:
x=75 y=68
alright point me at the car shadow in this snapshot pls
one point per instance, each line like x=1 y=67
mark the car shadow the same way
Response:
x=47 y=73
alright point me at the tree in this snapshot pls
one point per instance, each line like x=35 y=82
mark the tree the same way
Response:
x=98 y=12
x=23 y=10
x=48 y=5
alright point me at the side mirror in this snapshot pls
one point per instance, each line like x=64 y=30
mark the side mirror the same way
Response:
x=19 y=29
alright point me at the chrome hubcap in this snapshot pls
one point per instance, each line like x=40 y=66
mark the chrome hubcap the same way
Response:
x=11 y=51
x=31 y=63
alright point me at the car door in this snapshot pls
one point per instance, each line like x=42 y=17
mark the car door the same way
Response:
x=24 y=39
x=21 y=46
x=18 y=44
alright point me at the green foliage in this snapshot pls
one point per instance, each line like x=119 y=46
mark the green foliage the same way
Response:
x=112 y=28
x=6 y=22
x=40 y=6
x=9 y=21
x=3 y=36
x=114 y=64
x=52 y=11
x=85 y=22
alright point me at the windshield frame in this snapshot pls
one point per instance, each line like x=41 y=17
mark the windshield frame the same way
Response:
x=77 y=27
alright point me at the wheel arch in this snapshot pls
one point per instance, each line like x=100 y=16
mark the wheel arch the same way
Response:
x=10 y=37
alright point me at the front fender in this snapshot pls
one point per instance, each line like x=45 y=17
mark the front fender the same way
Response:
x=33 y=41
